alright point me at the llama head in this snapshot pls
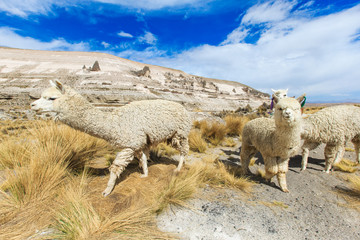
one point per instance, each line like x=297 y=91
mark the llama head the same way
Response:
x=48 y=98
x=279 y=94
x=287 y=112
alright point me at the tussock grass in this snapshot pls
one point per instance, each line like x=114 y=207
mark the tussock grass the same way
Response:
x=36 y=167
x=76 y=218
x=228 y=142
x=196 y=142
x=212 y=132
x=252 y=161
x=352 y=195
x=163 y=150
x=346 y=165
x=48 y=187
x=311 y=110
x=12 y=153
x=348 y=149
x=235 y=124
x=208 y=171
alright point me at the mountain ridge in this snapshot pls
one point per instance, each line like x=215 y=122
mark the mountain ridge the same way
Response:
x=25 y=73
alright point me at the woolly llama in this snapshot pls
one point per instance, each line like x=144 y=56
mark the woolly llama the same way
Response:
x=282 y=93
x=277 y=139
x=279 y=94
x=334 y=126
x=133 y=127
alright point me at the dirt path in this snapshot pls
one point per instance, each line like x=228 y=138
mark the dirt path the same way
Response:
x=312 y=209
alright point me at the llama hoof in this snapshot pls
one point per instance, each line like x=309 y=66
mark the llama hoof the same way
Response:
x=303 y=169
x=326 y=171
x=143 y=175
x=285 y=190
x=106 y=192
x=176 y=171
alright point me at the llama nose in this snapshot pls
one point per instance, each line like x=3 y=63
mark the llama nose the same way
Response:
x=32 y=104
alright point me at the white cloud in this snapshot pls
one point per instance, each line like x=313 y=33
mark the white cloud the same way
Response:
x=124 y=34
x=23 y=8
x=148 y=38
x=271 y=11
x=9 y=38
x=105 y=44
x=157 y=4
x=236 y=36
x=314 y=55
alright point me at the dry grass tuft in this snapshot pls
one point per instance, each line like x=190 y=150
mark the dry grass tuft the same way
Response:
x=213 y=132
x=47 y=188
x=228 y=142
x=352 y=195
x=346 y=165
x=348 y=149
x=163 y=150
x=235 y=124
x=311 y=110
x=76 y=218
x=252 y=161
x=208 y=171
x=196 y=142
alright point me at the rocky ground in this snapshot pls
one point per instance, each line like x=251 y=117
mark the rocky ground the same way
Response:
x=312 y=209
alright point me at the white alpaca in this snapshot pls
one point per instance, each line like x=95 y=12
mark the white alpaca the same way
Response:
x=133 y=127
x=334 y=126
x=277 y=139
x=279 y=94
x=282 y=93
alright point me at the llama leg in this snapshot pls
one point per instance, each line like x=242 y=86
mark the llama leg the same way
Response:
x=305 y=154
x=330 y=154
x=143 y=163
x=183 y=147
x=304 y=161
x=281 y=175
x=356 y=142
x=122 y=159
x=339 y=155
x=271 y=168
x=246 y=154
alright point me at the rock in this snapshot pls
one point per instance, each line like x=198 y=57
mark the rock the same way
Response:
x=145 y=72
x=96 y=67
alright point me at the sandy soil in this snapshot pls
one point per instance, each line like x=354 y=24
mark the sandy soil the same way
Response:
x=312 y=209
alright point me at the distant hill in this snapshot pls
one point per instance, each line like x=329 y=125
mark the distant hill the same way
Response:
x=114 y=81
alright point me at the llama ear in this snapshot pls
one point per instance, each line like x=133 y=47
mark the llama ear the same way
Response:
x=273 y=90
x=287 y=90
x=58 y=85
x=302 y=98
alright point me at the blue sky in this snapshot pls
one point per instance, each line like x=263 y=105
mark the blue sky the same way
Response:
x=305 y=45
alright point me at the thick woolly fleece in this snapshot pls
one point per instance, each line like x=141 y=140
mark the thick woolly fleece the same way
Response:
x=133 y=127
x=277 y=139
x=334 y=126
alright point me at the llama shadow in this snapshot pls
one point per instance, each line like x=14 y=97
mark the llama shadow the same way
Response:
x=313 y=164
x=234 y=165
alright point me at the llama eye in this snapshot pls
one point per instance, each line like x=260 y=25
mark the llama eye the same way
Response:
x=52 y=98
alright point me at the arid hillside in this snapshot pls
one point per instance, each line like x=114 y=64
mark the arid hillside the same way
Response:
x=114 y=81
